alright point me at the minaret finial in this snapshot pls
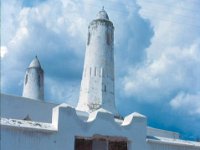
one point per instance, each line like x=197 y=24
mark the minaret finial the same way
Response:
x=102 y=8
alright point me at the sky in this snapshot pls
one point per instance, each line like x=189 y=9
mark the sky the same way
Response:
x=157 y=51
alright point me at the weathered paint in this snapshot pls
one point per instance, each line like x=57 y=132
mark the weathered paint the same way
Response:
x=97 y=85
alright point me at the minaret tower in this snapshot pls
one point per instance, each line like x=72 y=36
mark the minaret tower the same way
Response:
x=97 y=85
x=34 y=81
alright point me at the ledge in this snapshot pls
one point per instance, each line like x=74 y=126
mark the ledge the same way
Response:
x=178 y=142
x=24 y=124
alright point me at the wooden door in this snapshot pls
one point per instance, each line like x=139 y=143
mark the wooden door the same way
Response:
x=83 y=144
x=117 y=145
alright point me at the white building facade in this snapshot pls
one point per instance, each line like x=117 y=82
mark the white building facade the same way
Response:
x=28 y=123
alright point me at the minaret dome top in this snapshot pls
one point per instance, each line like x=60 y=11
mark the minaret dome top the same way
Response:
x=35 y=63
x=102 y=14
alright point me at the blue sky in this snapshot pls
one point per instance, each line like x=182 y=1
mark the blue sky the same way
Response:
x=157 y=51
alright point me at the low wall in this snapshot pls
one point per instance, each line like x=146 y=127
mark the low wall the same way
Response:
x=162 y=133
x=66 y=126
x=20 y=107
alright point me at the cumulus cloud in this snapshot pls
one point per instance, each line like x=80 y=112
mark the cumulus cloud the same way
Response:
x=56 y=31
x=168 y=79
x=187 y=102
x=157 y=47
x=172 y=55
x=172 y=71
x=44 y=30
x=66 y=90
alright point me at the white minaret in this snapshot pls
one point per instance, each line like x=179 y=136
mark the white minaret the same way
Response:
x=34 y=81
x=97 y=85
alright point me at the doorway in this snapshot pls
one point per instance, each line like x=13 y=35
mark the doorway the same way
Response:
x=99 y=142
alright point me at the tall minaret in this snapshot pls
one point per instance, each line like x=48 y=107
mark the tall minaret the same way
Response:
x=34 y=81
x=97 y=85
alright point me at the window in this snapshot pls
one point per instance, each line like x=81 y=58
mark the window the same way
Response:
x=101 y=143
x=117 y=145
x=39 y=80
x=83 y=144
x=104 y=88
x=102 y=72
x=90 y=72
x=26 y=79
x=95 y=71
x=108 y=38
x=89 y=36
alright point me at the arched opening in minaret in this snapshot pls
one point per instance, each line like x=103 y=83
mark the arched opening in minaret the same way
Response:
x=90 y=71
x=39 y=80
x=89 y=36
x=95 y=71
x=104 y=88
x=108 y=38
x=26 y=79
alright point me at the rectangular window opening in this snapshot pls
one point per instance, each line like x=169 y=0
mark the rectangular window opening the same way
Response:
x=100 y=143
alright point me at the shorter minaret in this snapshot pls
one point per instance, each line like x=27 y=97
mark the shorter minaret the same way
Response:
x=34 y=81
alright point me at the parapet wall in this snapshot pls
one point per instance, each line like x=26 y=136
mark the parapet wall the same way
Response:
x=66 y=125
x=16 y=107
x=162 y=133
x=60 y=128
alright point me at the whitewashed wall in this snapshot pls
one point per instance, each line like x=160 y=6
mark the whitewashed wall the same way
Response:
x=19 y=107
x=162 y=133
x=67 y=125
x=170 y=146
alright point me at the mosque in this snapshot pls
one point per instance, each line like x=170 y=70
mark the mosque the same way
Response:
x=30 y=123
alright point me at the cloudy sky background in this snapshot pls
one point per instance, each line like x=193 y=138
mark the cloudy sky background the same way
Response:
x=157 y=54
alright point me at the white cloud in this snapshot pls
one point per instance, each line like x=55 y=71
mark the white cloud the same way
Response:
x=172 y=62
x=157 y=52
x=57 y=30
x=187 y=102
x=20 y=35
x=66 y=92
x=175 y=24
x=4 y=50
x=174 y=70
